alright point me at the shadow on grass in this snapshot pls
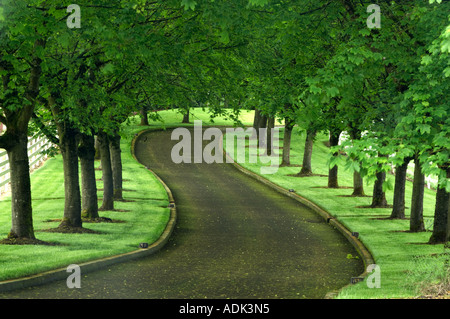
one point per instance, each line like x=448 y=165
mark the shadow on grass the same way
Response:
x=70 y=230
x=26 y=241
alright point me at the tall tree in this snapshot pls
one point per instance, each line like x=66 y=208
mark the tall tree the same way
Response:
x=23 y=34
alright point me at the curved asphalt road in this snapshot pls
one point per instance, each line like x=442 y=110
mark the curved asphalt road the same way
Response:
x=234 y=238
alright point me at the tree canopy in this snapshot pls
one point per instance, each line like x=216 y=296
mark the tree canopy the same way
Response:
x=80 y=71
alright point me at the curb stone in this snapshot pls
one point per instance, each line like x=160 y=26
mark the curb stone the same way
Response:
x=61 y=273
x=357 y=244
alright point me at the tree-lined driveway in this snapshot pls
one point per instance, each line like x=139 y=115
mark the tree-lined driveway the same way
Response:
x=234 y=238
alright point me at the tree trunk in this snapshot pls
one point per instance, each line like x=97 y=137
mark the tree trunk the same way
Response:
x=269 y=135
x=448 y=219
x=185 y=117
x=288 y=127
x=15 y=142
x=256 y=120
x=89 y=199
x=72 y=194
x=107 y=176
x=379 y=196
x=441 y=229
x=21 y=208
x=116 y=165
x=307 y=154
x=398 y=210
x=144 y=116
x=358 y=185
x=333 y=172
x=262 y=124
x=97 y=149
x=416 y=218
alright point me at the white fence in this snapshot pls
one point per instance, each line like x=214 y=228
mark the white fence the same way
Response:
x=36 y=145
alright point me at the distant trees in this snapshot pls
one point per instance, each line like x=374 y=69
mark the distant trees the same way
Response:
x=384 y=86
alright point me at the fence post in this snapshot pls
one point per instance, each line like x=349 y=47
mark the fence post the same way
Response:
x=36 y=145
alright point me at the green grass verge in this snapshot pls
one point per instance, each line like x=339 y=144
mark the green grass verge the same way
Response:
x=142 y=218
x=407 y=263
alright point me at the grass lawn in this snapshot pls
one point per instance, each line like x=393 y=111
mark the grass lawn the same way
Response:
x=142 y=218
x=407 y=263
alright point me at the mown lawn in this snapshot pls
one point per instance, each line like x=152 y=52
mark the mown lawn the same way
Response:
x=141 y=218
x=409 y=267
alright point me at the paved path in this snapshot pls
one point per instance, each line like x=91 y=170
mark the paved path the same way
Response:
x=235 y=238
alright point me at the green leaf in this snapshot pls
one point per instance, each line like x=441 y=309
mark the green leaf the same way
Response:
x=108 y=68
x=447 y=72
x=426 y=60
x=189 y=4
x=388 y=184
x=332 y=91
x=64 y=40
x=314 y=89
x=224 y=36
x=365 y=32
x=333 y=161
x=424 y=128
x=259 y=2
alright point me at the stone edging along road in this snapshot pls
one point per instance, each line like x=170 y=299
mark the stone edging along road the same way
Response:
x=61 y=274
x=357 y=244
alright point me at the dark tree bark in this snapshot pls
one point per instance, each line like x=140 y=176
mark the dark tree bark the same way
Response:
x=269 y=135
x=144 y=116
x=68 y=145
x=441 y=228
x=448 y=219
x=15 y=142
x=358 y=185
x=262 y=124
x=288 y=127
x=398 y=209
x=263 y=121
x=185 y=117
x=256 y=120
x=107 y=176
x=333 y=172
x=21 y=209
x=416 y=219
x=97 y=148
x=89 y=199
x=116 y=165
x=72 y=193
x=307 y=154
x=379 y=196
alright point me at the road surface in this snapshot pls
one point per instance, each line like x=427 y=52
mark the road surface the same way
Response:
x=234 y=238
